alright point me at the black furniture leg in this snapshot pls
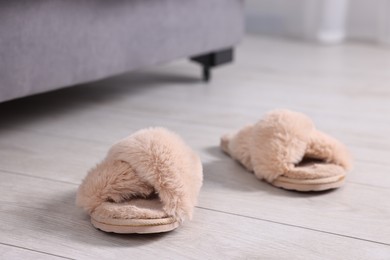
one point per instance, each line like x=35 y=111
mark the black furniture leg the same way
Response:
x=206 y=73
x=213 y=59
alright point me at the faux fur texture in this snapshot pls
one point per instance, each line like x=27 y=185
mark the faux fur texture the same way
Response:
x=150 y=162
x=287 y=143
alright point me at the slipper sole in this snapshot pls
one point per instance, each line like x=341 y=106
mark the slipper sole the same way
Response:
x=138 y=226
x=310 y=185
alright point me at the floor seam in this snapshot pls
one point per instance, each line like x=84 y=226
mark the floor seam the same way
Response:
x=37 y=177
x=36 y=251
x=296 y=226
x=72 y=183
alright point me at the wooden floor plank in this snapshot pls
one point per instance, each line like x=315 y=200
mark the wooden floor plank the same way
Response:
x=93 y=140
x=43 y=217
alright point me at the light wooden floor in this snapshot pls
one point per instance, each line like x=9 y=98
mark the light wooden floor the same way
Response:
x=48 y=142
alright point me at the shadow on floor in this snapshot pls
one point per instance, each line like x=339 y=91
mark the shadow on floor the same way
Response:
x=224 y=171
x=21 y=111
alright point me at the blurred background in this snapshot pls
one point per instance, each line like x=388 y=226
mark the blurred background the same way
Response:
x=322 y=21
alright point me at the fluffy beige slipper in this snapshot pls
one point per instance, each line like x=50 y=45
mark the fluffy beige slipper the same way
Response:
x=286 y=150
x=148 y=183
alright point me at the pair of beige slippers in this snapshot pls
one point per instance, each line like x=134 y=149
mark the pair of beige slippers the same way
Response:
x=149 y=182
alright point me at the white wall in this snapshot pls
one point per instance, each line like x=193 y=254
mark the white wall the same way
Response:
x=276 y=17
x=322 y=20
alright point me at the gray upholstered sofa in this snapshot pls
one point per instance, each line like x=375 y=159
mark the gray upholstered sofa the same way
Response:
x=49 y=44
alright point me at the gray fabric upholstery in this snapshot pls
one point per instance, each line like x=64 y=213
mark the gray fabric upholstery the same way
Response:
x=47 y=44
